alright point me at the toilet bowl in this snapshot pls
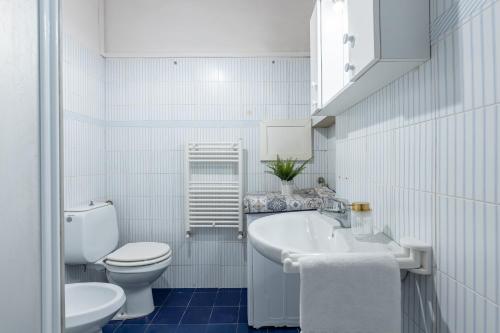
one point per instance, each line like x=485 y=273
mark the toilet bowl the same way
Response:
x=135 y=267
x=91 y=238
x=89 y=306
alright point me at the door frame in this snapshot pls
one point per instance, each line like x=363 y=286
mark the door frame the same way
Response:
x=52 y=286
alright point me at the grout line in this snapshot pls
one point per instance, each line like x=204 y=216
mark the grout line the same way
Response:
x=433 y=119
x=464 y=286
x=460 y=22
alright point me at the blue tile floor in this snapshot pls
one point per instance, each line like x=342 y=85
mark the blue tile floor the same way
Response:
x=202 y=310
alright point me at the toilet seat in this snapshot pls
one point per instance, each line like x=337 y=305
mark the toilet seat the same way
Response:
x=137 y=263
x=139 y=252
x=144 y=269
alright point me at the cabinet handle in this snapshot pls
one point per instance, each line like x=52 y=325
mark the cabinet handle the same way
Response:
x=348 y=67
x=314 y=85
x=349 y=39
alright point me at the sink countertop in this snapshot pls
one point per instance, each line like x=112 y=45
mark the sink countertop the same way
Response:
x=272 y=202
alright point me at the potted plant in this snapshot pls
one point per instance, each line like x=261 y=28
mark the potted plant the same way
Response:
x=286 y=170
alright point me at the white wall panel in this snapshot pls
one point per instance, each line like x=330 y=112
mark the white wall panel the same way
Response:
x=20 y=216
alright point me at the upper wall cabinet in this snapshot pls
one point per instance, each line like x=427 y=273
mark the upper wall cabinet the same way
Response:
x=315 y=54
x=327 y=28
x=359 y=46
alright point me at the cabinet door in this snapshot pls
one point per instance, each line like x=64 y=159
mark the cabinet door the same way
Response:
x=315 y=54
x=362 y=37
x=333 y=28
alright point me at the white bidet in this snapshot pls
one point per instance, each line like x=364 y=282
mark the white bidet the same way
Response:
x=90 y=305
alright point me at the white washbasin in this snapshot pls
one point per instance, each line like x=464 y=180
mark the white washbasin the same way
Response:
x=311 y=233
x=90 y=305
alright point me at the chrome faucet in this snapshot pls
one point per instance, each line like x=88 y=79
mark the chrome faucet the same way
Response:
x=337 y=208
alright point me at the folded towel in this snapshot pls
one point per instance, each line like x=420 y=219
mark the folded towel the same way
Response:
x=350 y=293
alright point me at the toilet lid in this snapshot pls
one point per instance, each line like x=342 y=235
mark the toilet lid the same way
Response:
x=136 y=263
x=141 y=251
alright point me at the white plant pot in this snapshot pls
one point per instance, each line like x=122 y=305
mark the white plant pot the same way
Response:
x=287 y=187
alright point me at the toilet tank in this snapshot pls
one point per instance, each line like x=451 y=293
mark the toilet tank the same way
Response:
x=90 y=233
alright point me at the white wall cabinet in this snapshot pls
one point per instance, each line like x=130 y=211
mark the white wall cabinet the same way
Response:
x=286 y=139
x=327 y=27
x=360 y=46
x=315 y=49
x=361 y=36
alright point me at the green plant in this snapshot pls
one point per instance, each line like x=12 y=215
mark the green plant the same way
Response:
x=287 y=169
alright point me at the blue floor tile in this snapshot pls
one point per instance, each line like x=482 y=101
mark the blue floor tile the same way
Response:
x=143 y=320
x=178 y=298
x=244 y=299
x=191 y=329
x=243 y=328
x=159 y=328
x=206 y=290
x=227 y=298
x=243 y=315
x=197 y=315
x=159 y=299
x=131 y=328
x=224 y=315
x=110 y=328
x=161 y=290
x=168 y=315
x=186 y=290
x=221 y=328
x=203 y=299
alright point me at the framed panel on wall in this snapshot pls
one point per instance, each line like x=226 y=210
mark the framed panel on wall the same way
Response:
x=286 y=138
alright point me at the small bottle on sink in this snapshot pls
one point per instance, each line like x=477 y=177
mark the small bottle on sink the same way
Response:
x=361 y=219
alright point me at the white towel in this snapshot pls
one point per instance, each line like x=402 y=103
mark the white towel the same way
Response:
x=350 y=293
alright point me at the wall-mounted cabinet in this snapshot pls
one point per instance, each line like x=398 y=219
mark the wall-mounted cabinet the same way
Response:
x=315 y=54
x=359 y=46
x=328 y=25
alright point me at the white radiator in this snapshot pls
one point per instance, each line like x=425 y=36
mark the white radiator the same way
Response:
x=213 y=183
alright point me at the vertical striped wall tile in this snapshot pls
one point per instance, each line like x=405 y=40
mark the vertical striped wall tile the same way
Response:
x=84 y=134
x=430 y=168
x=149 y=109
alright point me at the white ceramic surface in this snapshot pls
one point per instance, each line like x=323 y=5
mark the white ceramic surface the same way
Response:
x=89 y=306
x=91 y=234
x=310 y=233
x=136 y=282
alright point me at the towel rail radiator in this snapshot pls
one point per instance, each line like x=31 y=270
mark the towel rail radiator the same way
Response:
x=213 y=183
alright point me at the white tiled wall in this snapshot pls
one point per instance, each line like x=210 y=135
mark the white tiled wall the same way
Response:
x=331 y=144
x=84 y=133
x=83 y=103
x=425 y=151
x=125 y=142
x=154 y=107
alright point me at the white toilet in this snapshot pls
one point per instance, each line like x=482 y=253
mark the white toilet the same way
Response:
x=91 y=237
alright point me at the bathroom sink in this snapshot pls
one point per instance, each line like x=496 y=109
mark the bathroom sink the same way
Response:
x=311 y=233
